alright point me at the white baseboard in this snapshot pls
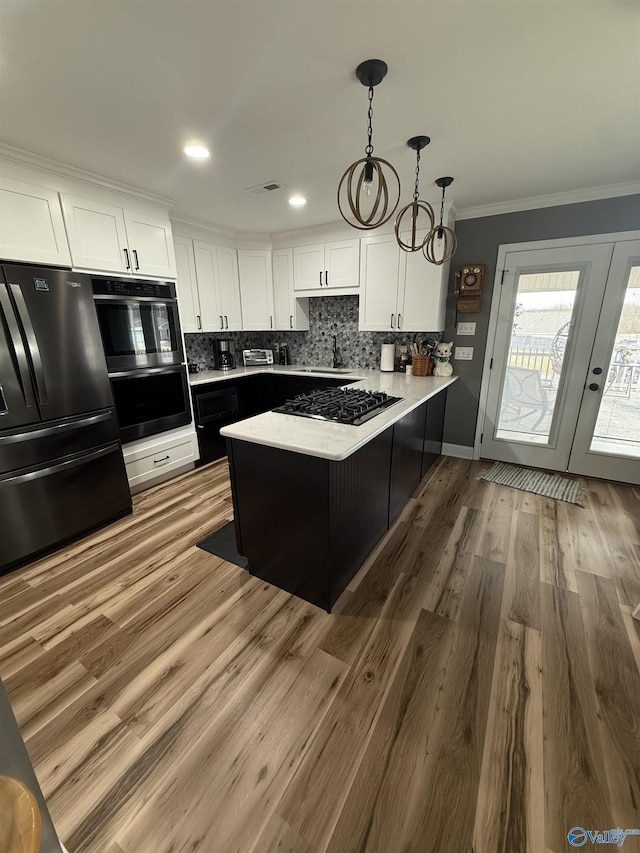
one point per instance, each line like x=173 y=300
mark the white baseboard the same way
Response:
x=461 y=451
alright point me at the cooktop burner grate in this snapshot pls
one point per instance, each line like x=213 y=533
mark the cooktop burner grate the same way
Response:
x=342 y=405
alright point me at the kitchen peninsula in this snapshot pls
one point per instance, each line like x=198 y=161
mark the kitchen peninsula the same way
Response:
x=313 y=497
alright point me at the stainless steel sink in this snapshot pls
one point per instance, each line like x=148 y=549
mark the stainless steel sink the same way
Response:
x=327 y=370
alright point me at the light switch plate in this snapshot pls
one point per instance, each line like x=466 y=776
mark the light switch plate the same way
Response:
x=463 y=354
x=466 y=328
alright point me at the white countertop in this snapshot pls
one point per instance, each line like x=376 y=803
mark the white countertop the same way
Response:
x=327 y=439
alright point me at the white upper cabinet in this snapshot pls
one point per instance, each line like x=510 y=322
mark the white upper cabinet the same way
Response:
x=401 y=291
x=149 y=237
x=207 y=285
x=218 y=288
x=380 y=266
x=31 y=224
x=229 y=285
x=114 y=239
x=327 y=266
x=290 y=313
x=422 y=294
x=256 y=289
x=187 y=285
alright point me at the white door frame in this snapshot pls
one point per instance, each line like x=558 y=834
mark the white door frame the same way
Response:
x=503 y=250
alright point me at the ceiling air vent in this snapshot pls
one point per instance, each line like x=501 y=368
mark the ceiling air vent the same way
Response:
x=267 y=187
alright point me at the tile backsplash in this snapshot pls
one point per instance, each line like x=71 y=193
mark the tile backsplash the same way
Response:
x=328 y=316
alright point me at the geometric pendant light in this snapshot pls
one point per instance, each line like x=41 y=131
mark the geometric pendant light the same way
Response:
x=369 y=190
x=441 y=242
x=411 y=212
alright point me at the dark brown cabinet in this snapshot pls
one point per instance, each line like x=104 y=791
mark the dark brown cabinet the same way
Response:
x=307 y=524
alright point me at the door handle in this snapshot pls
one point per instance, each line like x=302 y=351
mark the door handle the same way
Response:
x=399 y=321
x=126 y=257
x=291 y=321
x=594 y=386
x=326 y=277
x=199 y=321
x=270 y=321
x=135 y=257
x=221 y=322
x=226 y=322
x=18 y=347
x=393 y=321
x=320 y=278
x=32 y=343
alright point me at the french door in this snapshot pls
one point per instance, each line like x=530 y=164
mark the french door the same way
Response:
x=564 y=386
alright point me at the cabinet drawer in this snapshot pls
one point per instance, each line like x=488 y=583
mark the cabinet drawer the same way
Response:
x=163 y=458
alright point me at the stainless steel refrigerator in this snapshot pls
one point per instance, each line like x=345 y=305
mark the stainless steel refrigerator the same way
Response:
x=61 y=466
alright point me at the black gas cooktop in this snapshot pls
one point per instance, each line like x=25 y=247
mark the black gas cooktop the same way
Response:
x=343 y=405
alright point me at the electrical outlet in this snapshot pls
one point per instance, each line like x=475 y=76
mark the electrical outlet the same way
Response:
x=466 y=328
x=463 y=354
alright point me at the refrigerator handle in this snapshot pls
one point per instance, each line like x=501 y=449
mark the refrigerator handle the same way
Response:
x=32 y=343
x=18 y=347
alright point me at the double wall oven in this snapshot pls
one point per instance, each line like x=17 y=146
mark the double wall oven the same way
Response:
x=142 y=342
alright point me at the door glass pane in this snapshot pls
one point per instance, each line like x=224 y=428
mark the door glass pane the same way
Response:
x=618 y=426
x=541 y=322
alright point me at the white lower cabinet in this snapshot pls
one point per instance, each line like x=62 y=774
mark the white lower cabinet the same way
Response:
x=290 y=313
x=401 y=291
x=110 y=238
x=256 y=289
x=153 y=459
x=31 y=224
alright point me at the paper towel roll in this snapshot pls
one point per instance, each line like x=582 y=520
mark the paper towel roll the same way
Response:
x=387 y=357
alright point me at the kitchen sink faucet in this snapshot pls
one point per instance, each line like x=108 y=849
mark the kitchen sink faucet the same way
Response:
x=337 y=359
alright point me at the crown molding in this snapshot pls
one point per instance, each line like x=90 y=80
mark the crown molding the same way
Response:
x=551 y=200
x=203 y=225
x=18 y=157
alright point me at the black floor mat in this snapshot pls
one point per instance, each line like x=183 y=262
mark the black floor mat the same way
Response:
x=222 y=543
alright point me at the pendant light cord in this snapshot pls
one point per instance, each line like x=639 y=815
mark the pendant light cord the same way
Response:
x=416 y=194
x=369 y=149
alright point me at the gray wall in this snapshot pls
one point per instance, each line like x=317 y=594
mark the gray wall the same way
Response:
x=478 y=242
x=328 y=316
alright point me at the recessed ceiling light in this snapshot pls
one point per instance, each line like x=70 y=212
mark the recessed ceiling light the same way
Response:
x=297 y=201
x=196 y=152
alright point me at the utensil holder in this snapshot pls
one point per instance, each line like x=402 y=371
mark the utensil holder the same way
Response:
x=422 y=365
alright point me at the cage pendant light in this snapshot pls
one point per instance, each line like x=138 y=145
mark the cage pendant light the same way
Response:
x=441 y=242
x=364 y=193
x=412 y=210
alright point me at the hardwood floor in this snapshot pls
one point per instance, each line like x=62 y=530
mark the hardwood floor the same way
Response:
x=477 y=687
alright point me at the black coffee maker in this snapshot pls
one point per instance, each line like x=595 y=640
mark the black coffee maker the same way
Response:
x=223 y=358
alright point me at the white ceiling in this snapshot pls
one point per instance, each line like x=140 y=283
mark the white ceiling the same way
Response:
x=520 y=98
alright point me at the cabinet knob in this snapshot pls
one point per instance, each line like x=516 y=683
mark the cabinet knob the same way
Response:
x=597 y=371
x=594 y=386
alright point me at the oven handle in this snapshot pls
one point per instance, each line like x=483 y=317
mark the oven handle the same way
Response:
x=145 y=371
x=131 y=300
